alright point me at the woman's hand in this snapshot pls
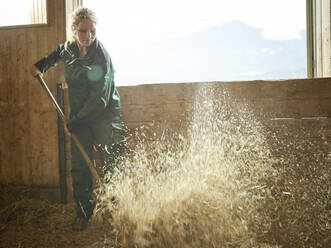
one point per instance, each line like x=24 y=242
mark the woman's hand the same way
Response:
x=34 y=71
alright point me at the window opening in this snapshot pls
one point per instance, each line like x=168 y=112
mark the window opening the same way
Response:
x=23 y=12
x=154 y=41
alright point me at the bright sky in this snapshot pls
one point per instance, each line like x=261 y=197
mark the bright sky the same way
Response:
x=152 y=20
x=21 y=16
x=134 y=30
x=130 y=29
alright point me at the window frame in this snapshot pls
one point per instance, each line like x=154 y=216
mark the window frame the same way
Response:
x=37 y=25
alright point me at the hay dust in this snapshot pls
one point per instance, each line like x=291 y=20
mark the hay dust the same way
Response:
x=224 y=180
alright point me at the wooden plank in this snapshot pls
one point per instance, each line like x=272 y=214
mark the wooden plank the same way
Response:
x=318 y=39
x=26 y=156
x=15 y=112
x=326 y=37
x=290 y=108
x=4 y=122
x=20 y=83
x=279 y=89
x=304 y=128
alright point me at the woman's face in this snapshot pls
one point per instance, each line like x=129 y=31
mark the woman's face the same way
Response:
x=85 y=33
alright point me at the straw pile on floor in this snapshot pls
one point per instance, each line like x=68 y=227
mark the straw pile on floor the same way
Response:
x=27 y=221
x=227 y=182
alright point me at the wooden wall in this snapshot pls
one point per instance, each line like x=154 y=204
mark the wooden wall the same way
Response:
x=270 y=101
x=322 y=36
x=28 y=126
x=295 y=98
x=295 y=115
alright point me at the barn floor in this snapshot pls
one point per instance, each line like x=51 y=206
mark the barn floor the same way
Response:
x=27 y=220
x=300 y=213
x=296 y=214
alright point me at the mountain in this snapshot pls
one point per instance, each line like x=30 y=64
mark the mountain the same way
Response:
x=227 y=52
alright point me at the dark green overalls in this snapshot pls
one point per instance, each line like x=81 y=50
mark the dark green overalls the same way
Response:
x=95 y=113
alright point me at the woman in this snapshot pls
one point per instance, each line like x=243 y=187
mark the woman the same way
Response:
x=95 y=114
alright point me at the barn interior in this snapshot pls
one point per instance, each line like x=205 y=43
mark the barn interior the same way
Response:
x=209 y=164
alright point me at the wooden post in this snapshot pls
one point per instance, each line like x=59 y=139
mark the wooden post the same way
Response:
x=61 y=145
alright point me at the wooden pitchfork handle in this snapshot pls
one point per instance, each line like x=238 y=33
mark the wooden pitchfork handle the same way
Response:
x=73 y=136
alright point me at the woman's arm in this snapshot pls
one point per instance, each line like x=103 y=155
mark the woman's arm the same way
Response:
x=45 y=63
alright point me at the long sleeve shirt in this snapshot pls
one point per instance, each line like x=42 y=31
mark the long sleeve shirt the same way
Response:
x=90 y=79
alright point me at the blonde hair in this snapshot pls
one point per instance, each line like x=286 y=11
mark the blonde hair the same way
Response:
x=79 y=15
x=82 y=14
